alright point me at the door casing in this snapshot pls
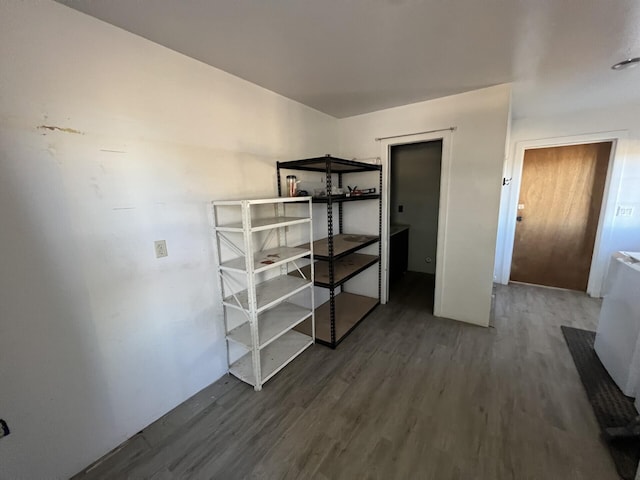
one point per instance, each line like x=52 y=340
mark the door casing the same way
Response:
x=607 y=211
x=564 y=186
x=445 y=173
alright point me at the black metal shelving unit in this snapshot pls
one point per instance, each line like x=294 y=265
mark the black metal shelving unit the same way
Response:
x=337 y=260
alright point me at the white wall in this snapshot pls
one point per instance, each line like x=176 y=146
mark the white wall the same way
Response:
x=478 y=144
x=98 y=338
x=618 y=233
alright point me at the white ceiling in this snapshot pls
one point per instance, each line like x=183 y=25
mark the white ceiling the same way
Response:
x=346 y=57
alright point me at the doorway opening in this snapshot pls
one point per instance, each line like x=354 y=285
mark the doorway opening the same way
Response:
x=558 y=213
x=415 y=171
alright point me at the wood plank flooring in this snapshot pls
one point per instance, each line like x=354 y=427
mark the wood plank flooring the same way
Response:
x=405 y=396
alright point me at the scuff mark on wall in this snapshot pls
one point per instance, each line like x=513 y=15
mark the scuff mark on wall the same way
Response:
x=112 y=151
x=53 y=128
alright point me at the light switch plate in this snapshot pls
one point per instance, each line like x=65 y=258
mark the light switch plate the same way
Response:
x=161 y=248
x=624 y=211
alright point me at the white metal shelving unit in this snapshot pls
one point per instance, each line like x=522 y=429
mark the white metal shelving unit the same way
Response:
x=266 y=332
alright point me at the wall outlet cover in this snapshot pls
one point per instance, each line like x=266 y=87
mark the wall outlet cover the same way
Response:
x=624 y=211
x=161 y=248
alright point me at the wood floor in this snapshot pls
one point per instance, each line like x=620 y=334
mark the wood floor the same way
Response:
x=405 y=396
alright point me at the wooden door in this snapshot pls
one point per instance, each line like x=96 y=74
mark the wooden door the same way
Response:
x=558 y=210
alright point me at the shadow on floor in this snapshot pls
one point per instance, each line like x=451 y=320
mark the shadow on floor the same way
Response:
x=414 y=290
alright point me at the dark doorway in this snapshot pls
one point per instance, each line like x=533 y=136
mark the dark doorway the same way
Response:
x=414 y=179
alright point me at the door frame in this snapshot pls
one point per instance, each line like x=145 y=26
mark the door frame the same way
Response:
x=445 y=174
x=599 y=259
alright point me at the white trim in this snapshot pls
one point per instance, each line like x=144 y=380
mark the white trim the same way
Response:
x=445 y=176
x=607 y=211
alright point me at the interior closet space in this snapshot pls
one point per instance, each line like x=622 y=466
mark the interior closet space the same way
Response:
x=415 y=172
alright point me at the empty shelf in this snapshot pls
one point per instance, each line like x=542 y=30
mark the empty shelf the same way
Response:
x=344 y=269
x=259 y=224
x=271 y=324
x=269 y=293
x=260 y=201
x=273 y=357
x=266 y=259
x=350 y=310
x=343 y=244
x=320 y=164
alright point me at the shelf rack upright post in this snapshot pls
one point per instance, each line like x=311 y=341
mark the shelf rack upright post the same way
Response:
x=338 y=262
x=267 y=330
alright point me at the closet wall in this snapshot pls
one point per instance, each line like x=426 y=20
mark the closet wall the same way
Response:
x=475 y=169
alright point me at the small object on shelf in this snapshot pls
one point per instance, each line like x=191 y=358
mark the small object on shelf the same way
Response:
x=268 y=315
x=292 y=185
x=354 y=192
x=338 y=261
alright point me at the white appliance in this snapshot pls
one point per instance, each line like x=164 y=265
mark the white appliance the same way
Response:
x=618 y=335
